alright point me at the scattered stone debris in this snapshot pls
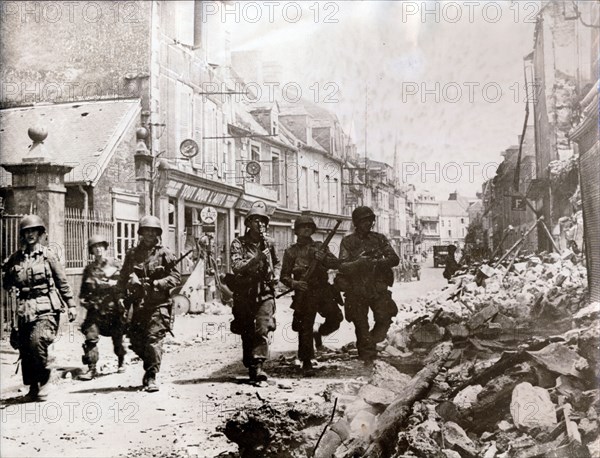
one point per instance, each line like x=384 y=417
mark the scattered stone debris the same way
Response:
x=501 y=364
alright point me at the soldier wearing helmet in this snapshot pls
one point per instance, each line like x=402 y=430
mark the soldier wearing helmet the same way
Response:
x=254 y=263
x=366 y=273
x=105 y=312
x=147 y=277
x=36 y=275
x=312 y=296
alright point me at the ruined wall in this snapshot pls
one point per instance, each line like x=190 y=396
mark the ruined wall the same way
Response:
x=67 y=51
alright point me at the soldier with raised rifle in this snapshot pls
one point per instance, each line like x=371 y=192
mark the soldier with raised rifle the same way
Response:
x=149 y=273
x=304 y=270
x=105 y=310
x=366 y=261
x=253 y=261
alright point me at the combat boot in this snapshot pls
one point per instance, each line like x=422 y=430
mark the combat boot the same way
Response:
x=121 y=367
x=90 y=374
x=32 y=395
x=261 y=375
x=150 y=383
x=308 y=369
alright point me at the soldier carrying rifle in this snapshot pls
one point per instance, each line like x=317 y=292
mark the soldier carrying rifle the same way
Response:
x=149 y=273
x=366 y=261
x=253 y=261
x=304 y=269
x=105 y=311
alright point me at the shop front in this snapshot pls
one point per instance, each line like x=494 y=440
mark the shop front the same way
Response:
x=200 y=215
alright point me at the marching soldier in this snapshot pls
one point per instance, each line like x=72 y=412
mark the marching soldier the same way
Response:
x=367 y=259
x=105 y=314
x=253 y=260
x=149 y=273
x=312 y=296
x=42 y=291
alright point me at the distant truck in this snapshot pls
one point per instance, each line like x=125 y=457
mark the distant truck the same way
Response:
x=439 y=255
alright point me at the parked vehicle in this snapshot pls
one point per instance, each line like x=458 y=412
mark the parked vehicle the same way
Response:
x=439 y=255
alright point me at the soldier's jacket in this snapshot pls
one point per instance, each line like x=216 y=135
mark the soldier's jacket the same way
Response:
x=145 y=263
x=297 y=260
x=376 y=274
x=99 y=284
x=38 y=278
x=248 y=270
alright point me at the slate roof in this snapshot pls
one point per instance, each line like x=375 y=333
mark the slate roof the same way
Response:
x=79 y=134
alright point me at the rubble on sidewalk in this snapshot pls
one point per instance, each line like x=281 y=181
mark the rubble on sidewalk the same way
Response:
x=493 y=304
x=497 y=365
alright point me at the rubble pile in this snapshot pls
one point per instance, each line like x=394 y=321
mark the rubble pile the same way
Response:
x=497 y=304
x=538 y=400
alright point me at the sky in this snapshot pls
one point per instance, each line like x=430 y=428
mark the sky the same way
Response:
x=440 y=83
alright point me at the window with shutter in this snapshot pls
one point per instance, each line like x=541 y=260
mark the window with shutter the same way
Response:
x=184 y=112
x=171 y=129
x=210 y=131
x=197 y=130
x=185 y=22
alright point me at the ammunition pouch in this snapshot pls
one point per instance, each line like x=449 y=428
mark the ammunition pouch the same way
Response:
x=29 y=309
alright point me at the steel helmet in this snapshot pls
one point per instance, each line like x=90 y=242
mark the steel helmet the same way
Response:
x=256 y=212
x=30 y=221
x=150 y=221
x=95 y=240
x=305 y=220
x=361 y=213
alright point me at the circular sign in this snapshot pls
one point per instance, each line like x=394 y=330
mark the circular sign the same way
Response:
x=189 y=148
x=253 y=168
x=208 y=215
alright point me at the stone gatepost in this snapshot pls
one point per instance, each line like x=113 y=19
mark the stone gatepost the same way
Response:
x=38 y=184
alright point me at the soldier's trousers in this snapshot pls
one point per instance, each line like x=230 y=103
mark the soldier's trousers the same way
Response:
x=357 y=311
x=34 y=339
x=149 y=325
x=254 y=320
x=305 y=312
x=96 y=325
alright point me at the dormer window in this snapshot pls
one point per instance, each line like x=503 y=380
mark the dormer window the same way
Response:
x=274 y=128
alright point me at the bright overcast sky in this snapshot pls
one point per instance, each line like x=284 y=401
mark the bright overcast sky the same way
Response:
x=461 y=53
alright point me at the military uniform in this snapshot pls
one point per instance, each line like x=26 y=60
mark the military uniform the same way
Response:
x=151 y=318
x=253 y=298
x=366 y=283
x=104 y=317
x=39 y=279
x=318 y=298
